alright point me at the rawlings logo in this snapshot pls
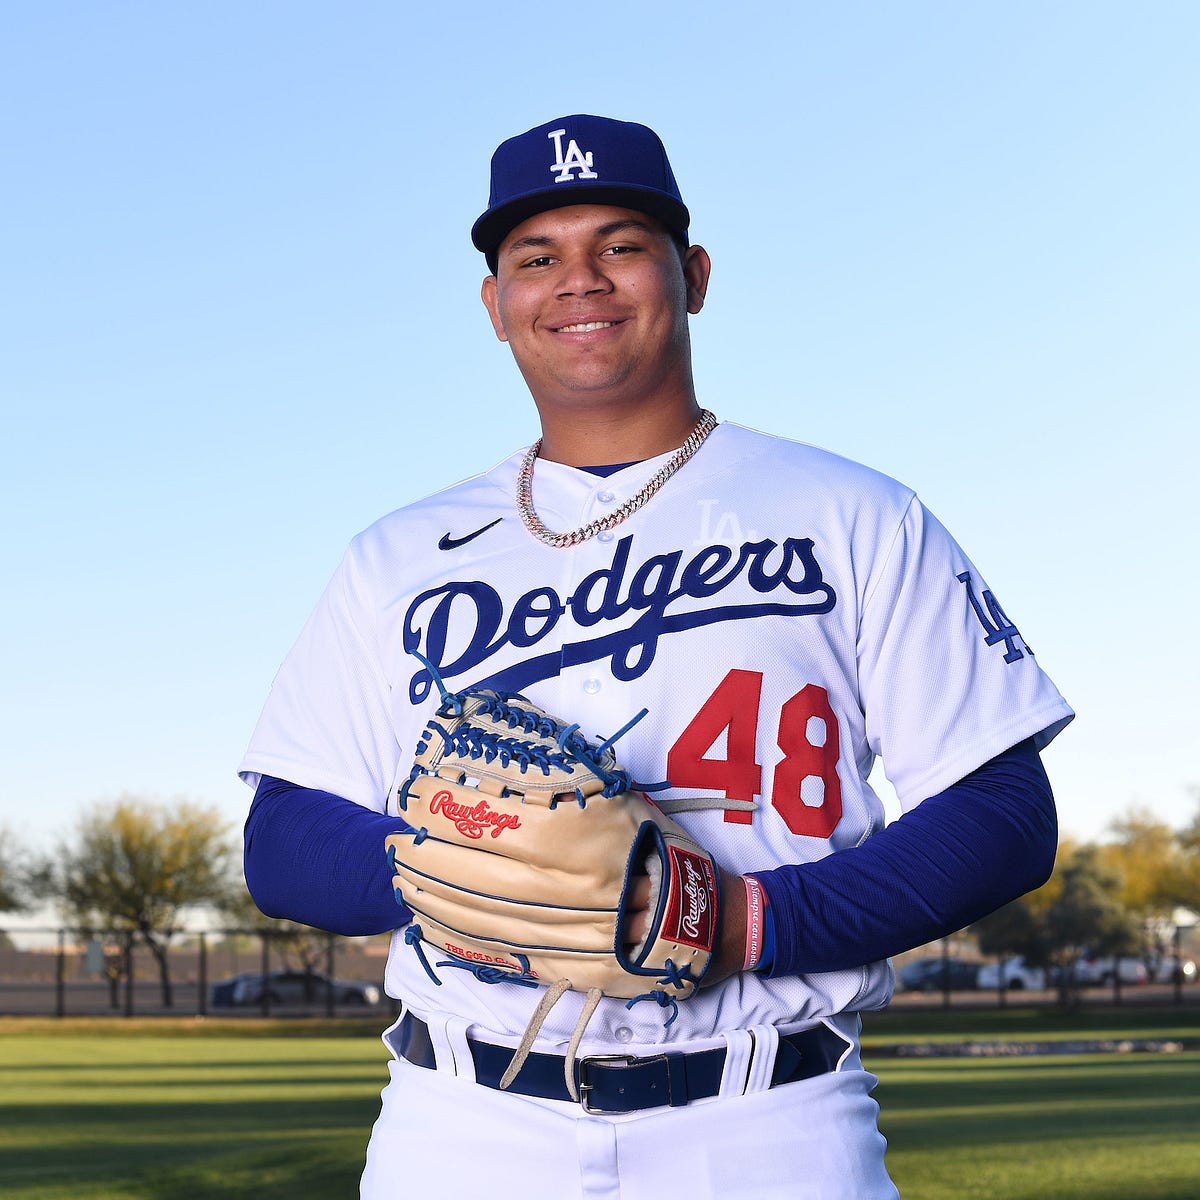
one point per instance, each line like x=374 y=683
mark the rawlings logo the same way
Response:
x=690 y=919
x=460 y=625
x=473 y=822
x=696 y=894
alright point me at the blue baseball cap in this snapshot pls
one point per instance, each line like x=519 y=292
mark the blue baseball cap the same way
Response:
x=578 y=160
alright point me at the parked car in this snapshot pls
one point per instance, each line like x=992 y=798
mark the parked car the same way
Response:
x=223 y=992
x=291 y=987
x=1168 y=970
x=932 y=974
x=1092 y=971
x=1014 y=974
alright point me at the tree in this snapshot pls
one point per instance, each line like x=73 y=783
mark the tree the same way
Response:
x=132 y=867
x=1188 y=884
x=11 y=891
x=1078 y=910
x=1015 y=929
x=1020 y=927
x=1153 y=863
x=18 y=874
x=1088 y=916
x=1189 y=836
x=300 y=947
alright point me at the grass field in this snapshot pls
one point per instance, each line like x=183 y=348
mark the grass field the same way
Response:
x=118 y=1110
x=96 y=1112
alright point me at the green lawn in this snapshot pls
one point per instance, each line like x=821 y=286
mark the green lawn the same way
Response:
x=151 y=1116
x=1106 y=1127
x=1121 y=1126
x=155 y=1111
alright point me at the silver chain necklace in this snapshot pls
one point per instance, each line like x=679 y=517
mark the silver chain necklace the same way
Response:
x=560 y=541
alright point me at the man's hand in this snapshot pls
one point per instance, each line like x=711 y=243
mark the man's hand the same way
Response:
x=729 y=952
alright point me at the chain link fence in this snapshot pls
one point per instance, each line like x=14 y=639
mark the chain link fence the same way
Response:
x=64 y=972
x=225 y=972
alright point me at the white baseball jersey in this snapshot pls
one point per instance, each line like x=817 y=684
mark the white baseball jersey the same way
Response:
x=784 y=614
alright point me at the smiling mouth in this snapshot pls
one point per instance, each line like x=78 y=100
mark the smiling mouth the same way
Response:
x=586 y=327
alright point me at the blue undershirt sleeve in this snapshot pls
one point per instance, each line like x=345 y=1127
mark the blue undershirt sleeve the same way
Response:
x=957 y=856
x=319 y=859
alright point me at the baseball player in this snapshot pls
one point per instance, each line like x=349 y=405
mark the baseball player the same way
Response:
x=777 y=615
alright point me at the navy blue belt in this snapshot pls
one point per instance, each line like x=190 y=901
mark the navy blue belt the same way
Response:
x=620 y=1083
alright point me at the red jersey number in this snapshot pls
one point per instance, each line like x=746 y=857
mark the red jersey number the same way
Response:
x=805 y=790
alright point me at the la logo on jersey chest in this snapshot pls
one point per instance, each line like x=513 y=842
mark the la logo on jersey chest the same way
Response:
x=725 y=529
x=573 y=160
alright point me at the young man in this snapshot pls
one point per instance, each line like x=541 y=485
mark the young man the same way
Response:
x=784 y=615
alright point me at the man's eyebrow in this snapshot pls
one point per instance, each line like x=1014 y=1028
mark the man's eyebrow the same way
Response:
x=529 y=243
x=621 y=225
x=544 y=241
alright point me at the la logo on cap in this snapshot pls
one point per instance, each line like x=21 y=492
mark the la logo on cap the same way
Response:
x=574 y=160
x=605 y=161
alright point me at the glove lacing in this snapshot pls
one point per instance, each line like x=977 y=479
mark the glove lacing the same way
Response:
x=553 y=995
x=469 y=740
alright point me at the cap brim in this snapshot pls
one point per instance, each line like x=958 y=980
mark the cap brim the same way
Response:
x=495 y=225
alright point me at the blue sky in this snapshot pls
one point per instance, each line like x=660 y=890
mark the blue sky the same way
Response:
x=240 y=320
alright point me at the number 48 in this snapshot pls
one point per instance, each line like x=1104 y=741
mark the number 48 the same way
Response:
x=805 y=789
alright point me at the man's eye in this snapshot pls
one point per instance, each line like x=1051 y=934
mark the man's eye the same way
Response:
x=618 y=250
x=542 y=260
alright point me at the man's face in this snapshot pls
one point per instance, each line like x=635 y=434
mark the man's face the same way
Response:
x=593 y=301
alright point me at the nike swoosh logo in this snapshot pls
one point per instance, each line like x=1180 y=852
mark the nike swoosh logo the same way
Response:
x=452 y=543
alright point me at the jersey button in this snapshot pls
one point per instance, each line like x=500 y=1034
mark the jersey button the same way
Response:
x=605 y=497
x=623 y=1034
x=591 y=686
x=605 y=535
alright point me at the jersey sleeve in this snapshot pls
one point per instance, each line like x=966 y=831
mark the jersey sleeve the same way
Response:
x=946 y=678
x=326 y=722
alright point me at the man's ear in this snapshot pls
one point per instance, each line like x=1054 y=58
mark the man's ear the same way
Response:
x=697 y=267
x=488 y=293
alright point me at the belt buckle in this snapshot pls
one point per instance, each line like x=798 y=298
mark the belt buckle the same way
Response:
x=626 y=1060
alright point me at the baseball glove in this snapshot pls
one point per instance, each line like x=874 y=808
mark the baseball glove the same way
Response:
x=522 y=846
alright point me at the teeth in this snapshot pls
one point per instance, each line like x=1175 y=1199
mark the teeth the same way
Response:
x=586 y=328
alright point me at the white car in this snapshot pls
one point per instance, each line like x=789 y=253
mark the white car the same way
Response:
x=1100 y=971
x=1015 y=974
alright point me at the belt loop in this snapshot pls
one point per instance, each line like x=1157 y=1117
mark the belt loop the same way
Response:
x=738 y=1053
x=848 y=1028
x=766 y=1047
x=453 y=1050
x=677 y=1088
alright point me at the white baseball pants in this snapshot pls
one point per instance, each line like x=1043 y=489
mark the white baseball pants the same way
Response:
x=440 y=1133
